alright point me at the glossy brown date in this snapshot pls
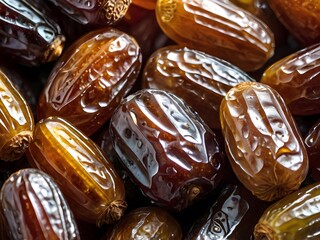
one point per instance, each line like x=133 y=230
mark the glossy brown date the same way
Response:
x=33 y=207
x=169 y=152
x=296 y=216
x=218 y=28
x=198 y=78
x=16 y=121
x=87 y=179
x=28 y=33
x=263 y=144
x=232 y=216
x=90 y=79
x=152 y=223
x=94 y=12
x=300 y=17
x=296 y=79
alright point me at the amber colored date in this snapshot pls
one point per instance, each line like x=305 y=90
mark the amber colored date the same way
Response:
x=90 y=79
x=16 y=121
x=264 y=146
x=198 y=78
x=87 y=179
x=170 y=153
x=232 y=216
x=294 y=217
x=296 y=79
x=218 y=28
x=146 y=223
x=28 y=33
x=94 y=12
x=300 y=17
x=33 y=207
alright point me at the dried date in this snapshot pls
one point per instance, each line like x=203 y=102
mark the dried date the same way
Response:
x=263 y=144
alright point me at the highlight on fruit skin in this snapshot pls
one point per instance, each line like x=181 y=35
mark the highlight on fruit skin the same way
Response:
x=33 y=207
x=86 y=177
x=16 y=121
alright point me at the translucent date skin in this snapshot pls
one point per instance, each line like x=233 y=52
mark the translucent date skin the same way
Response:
x=218 y=28
x=90 y=79
x=263 y=144
x=152 y=223
x=170 y=153
x=198 y=78
x=34 y=208
x=87 y=179
x=300 y=17
x=16 y=121
x=295 y=216
x=93 y=12
x=231 y=217
x=28 y=33
x=296 y=79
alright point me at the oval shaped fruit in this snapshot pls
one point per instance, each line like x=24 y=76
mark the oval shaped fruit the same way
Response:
x=296 y=79
x=169 y=152
x=264 y=146
x=29 y=34
x=93 y=12
x=90 y=79
x=300 y=17
x=198 y=78
x=33 y=207
x=88 y=180
x=16 y=121
x=146 y=223
x=295 y=216
x=218 y=28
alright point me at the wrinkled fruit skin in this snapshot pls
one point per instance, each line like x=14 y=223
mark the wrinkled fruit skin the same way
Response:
x=300 y=17
x=94 y=12
x=28 y=33
x=166 y=147
x=90 y=79
x=146 y=223
x=295 y=216
x=218 y=28
x=33 y=207
x=296 y=79
x=87 y=179
x=199 y=79
x=263 y=144
x=16 y=121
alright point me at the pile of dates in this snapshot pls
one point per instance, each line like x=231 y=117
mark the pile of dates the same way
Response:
x=160 y=119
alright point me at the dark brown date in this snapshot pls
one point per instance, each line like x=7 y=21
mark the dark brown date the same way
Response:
x=263 y=144
x=28 y=33
x=170 y=153
x=33 y=207
x=90 y=79
x=152 y=223
x=198 y=78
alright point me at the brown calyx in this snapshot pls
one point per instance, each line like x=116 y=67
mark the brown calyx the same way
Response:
x=114 y=10
x=264 y=232
x=167 y=9
x=55 y=49
x=16 y=146
x=113 y=212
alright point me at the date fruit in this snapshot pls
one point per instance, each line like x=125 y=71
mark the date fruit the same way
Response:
x=87 y=179
x=90 y=79
x=218 y=28
x=263 y=144
x=198 y=78
x=16 y=121
x=296 y=216
x=93 y=12
x=33 y=207
x=28 y=32
x=151 y=222
x=169 y=152
x=296 y=79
